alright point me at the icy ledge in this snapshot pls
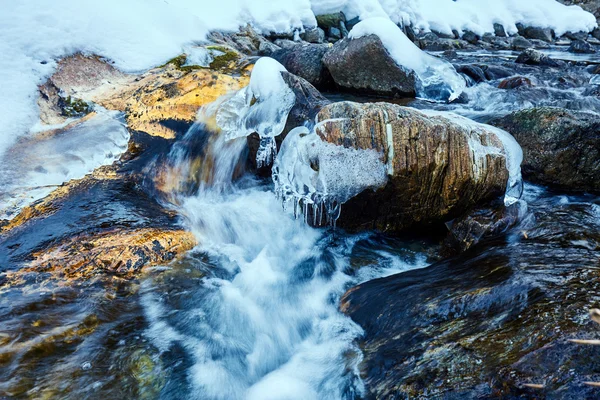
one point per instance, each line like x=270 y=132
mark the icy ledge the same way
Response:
x=437 y=79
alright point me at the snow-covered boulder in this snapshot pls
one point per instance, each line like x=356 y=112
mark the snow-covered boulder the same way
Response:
x=377 y=57
x=392 y=167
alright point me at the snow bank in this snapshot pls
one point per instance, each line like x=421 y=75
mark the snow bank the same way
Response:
x=138 y=34
x=438 y=80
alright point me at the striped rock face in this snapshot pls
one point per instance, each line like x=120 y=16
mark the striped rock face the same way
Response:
x=437 y=165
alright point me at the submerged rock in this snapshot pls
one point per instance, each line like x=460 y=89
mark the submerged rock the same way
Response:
x=437 y=167
x=491 y=321
x=581 y=46
x=515 y=82
x=534 y=57
x=365 y=65
x=561 y=147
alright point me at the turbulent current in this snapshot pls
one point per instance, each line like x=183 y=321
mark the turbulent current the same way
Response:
x=264 y=323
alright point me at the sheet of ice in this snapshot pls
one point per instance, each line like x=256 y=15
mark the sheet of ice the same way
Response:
x=438 y=80
x=32 y=168
x=317 y=177
x=262 y=107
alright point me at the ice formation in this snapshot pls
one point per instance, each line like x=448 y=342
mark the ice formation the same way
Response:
x=33 y=168
x=510 y=149
x=317 y=177
x=438 y=80
x=262 y=107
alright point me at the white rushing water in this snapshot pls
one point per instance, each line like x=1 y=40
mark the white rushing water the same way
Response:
x=265 y=323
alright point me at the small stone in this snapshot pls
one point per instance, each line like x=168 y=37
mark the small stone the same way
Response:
x=335 y=33
x=545 y=34
x=471 y=37
x=582 y=47
x=86 y=366
x=499 y=30
x=534 y=57
x=313 y=35
x=515 y=82
x=520 y=43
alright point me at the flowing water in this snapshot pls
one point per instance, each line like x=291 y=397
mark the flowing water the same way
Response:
x=251 y=313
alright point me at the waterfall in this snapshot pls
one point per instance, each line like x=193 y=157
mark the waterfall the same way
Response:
x=264 y=321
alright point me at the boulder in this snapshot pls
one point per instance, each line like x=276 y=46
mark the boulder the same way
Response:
x=491 y=321
x=581 y=46
x=364 y=65
x=437 y=168
x=471 y=37
x=561 y=148
x=544 y=34
x=534 y=57
x=474 y=72
x=306 y=61
x=326 y=21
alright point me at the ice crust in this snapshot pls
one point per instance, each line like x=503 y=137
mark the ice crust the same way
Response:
x=438 y=80
x=316 y=177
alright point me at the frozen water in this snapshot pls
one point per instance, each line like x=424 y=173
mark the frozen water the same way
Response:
x=33 y=168
x=317 y=177
x=438 y=80
x=262 y=107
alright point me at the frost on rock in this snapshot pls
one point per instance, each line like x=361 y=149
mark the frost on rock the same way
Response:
x=510 y=149
x=437 y=79
x=262 y=107
x=317 y=177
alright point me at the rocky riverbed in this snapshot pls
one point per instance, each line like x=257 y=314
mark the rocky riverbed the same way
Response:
x=439 y=235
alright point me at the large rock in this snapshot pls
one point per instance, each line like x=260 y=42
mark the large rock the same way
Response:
x=561 y=148
x=364 y=65
x=544 y=34
x=306 y=61
x=487 y=323
x=437 y=168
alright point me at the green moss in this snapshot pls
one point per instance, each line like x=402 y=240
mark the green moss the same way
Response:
x=224 y=60
x=72 y=107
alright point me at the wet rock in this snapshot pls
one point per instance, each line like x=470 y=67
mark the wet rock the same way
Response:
x=534 y=57
x=313 y=35
x=577 y=35
x=493 y=72
x=520 y=43
x=443 y=35
x=471 y=37
x=123 y=252
x=499 y=30
x=433 y=175
x=484 y=324
x=364 y=65
x=306 y=61
x=544 y=34
x=480 y=224
x=581 y=46
x=472 y=71
x=561 y=148
x=515 y=82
